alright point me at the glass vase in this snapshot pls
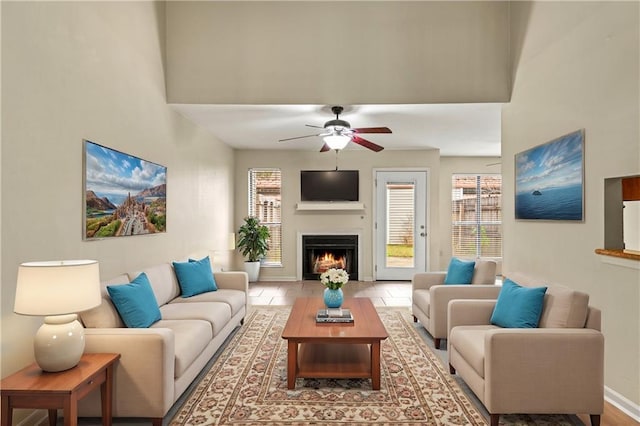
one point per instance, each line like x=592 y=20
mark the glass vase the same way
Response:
x=333 y=298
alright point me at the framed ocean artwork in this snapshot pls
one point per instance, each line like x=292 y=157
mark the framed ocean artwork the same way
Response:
x=550 y=180
x=123 y=195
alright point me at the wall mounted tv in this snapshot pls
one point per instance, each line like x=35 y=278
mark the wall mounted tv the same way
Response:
x=329 y=185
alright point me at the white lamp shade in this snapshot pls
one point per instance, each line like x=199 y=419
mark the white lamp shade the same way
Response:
x=57 y=287
x=337 y=141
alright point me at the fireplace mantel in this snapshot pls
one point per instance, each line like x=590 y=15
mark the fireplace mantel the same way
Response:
x=330 y=205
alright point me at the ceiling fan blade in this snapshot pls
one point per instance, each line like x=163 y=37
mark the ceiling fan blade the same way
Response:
x=317 y=127
x=372 y=130
x=297 y=137
x=325 y=148
x=367 y=144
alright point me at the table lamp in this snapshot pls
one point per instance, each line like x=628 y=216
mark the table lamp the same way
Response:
x=57 y=290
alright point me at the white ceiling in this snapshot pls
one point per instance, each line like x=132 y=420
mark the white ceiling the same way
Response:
x=454 y=129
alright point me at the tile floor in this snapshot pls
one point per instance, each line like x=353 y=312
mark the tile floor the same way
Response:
x=382 y=293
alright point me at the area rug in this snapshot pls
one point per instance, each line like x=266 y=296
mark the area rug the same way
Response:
x=247 y=384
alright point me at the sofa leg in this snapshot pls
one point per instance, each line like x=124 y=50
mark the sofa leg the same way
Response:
x=495 y=419
x=156 y=421
x=595 y=419
x=436 y=343
x=451 y=369
x=415 y=319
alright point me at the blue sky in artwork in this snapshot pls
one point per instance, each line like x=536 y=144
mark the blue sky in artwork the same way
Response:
x=115 y=174
x=556 y=164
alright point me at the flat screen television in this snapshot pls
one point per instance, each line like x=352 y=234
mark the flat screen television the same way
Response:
x=329 y=185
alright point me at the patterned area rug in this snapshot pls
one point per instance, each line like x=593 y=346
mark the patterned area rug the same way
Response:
x=247 y=384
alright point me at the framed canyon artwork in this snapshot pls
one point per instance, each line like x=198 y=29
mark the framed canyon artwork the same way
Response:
x=123 y=195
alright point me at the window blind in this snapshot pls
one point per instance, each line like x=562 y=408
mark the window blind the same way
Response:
x=476 y=216
x=265 y=203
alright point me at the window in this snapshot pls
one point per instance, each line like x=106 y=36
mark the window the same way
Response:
x=265 y=204
x=476 y=216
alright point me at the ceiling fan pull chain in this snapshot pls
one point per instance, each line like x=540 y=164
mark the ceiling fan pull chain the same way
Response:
x=337 y=150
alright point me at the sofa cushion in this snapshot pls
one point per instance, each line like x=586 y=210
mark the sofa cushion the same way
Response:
x=217 y=314
x=236 y=299
x=195 y=276
x=135 y=302
x=517 y=306
x=422 y=298
x=163 y=281
x=469 y=342
x=105 y=315
x=190 y=337
x=459 y=271
x=564 y=308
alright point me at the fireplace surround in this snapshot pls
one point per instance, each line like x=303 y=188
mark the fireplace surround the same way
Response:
x=319 y=252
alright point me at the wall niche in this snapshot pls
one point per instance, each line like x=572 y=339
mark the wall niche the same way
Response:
x=622 y=215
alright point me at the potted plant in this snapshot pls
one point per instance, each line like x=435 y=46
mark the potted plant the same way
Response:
x=253 y=244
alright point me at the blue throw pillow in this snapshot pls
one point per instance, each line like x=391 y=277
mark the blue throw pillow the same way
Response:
x=135 y=302
x=460 y=271
x=195 y=276
x=517 y=306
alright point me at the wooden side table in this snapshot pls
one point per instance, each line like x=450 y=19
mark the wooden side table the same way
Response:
x=33 y=388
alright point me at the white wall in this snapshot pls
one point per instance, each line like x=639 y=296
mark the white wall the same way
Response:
x=576 y=66
x=337 y=53
x=291 y=162
x=95 y=70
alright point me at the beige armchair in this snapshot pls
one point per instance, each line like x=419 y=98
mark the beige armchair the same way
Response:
x=557 y=368
x=430 y=296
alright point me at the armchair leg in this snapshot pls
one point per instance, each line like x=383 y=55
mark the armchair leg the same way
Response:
x=595 y=419
x=451 y=369
x=436 y=343
x=495 y=419
x=415 y=319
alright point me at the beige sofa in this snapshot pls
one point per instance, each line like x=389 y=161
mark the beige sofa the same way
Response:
x=556 y=368
x=158 y=363
x=430 y=296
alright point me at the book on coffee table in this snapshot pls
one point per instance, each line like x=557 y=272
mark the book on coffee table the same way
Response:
x=334 y=315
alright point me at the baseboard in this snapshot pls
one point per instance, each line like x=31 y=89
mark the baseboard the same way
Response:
x=623 y=404
x=274 y=278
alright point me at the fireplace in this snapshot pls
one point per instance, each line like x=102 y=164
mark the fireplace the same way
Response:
x=322 y=252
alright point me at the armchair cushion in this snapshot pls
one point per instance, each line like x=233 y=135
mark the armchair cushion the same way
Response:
x=459 y=271
x=563 y=306
x=517 y=306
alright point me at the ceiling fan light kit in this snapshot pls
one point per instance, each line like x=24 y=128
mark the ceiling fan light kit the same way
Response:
x=338 y=133
x=337 y=141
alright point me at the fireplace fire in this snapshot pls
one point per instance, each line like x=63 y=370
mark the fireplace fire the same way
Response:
x=323 y=252
x=327 y=261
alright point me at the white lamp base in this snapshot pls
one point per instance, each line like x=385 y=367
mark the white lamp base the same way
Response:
x=59 y=343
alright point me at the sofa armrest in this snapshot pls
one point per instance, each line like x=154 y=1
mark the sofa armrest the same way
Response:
x=424 y=280
x=441 y=295
x=469 y=312
x=235 y=280
x=567 y=363
x=144 y=375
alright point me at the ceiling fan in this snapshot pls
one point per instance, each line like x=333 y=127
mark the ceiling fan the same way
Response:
x=338 y=133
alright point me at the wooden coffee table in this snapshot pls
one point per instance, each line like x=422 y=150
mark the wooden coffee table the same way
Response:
x=333 y=350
